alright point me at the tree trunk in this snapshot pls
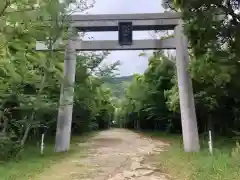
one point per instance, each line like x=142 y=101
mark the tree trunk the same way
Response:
x=24 y=138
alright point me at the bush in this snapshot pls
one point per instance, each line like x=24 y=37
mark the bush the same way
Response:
x=9 y=149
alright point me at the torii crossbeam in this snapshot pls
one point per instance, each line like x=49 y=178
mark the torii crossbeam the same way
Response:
x=125 y=24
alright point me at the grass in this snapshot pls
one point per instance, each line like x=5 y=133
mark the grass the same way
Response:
x=32 y=163
x=222 y=165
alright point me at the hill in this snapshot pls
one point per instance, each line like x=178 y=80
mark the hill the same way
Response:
x=118 y=84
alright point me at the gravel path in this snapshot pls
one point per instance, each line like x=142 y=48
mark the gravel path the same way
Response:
x=114 y=154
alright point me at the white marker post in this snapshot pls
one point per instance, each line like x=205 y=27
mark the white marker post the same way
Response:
x=42 y=143
x=210 y=144
x=43 y=130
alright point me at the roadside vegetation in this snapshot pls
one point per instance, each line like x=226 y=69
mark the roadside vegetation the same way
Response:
x=223 y=164
x=30 y=84
x=31 y=162
x=151 y=100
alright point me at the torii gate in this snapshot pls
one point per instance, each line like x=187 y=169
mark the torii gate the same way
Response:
x=125 y=24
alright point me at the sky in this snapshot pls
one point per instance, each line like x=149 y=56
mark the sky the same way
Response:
x=130 y=60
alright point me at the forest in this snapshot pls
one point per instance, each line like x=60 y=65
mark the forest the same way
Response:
x=31 y=80
x=151 y=101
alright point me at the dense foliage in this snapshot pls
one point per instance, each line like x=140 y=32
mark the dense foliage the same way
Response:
x=30 y=81
x=151 y=101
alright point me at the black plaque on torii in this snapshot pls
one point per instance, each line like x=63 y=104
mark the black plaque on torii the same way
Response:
x=125 y=35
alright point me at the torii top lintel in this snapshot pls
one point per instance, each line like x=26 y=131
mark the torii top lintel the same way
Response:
x=141 y=22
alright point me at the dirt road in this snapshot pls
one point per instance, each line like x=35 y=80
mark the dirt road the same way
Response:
x=114 y=154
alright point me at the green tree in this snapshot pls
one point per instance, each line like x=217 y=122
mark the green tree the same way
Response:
x=31 y=80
